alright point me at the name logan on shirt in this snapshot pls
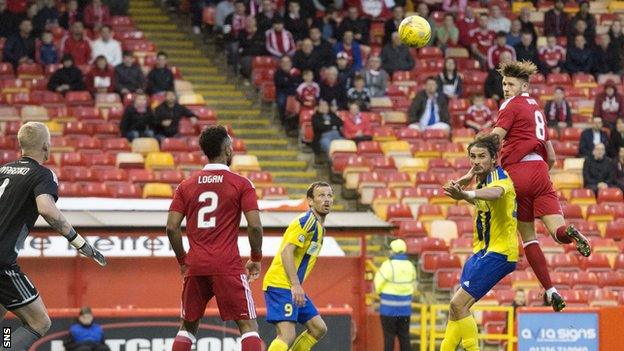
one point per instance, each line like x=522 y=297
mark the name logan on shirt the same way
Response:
x=210 y=179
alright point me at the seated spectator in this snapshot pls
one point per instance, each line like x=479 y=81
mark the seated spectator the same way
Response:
x=76 y=44
x=447 y=34
x=47 y=53
x=609 y=105
x=332 y=91
x=279 y=41
x=526 y=24
x=423 y=11
x=478 y=116
x=328 y=24
x=100 y=78
x=96 y=15
x=449 y=81
x=616 y=34
x=606 y=57
x=580 y=28
x=168 y=114
x=266 y=17
x=47 y=17
x=587 y=18
x=591 y=137
x=493 y=87
x=429 y=110
x=481 y=39
x=454 y=6
x=616 y=139
x=160 y=78
x=252 y=43
x=526 y=50
x=552 y=56
x=222 y=11
x=20 y=47
x=67 y=78
x=233 y=25
x=346 y=73
x=8 y=20
x=352 y=49
x=598 y=170
x=395 y=56
x=513 y=37
x=357 y=24
x=85 y=335
x=500 y=46
x=392 y=24
x=497 y=21
x=286 y=80
x=359 y=94
x=307 y=59
x=138 y=119
x=558 y=111
x=128 y=75
x=71 y=15
x=466 y=25
x=327 y=127
x=519 y=300
x=106 y=46
x=556 y=20
x=322 y=47
x=619 y=169
x=308 y=91
x=294 y=23
x=375 y=77
x=357 y=126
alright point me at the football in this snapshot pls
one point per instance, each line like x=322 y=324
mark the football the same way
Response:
x=415 y=31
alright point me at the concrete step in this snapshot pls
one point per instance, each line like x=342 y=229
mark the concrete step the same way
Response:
x=215 y=94
x=139 y=11
x=257 y=133
x=185 y=52
x=214 y=87
x=295 y=186
x=295 y=174
x=167 y=45
x=265 y=142
x=200 y=68
x=203 y=78
x=156 y=37
x=244 y=114
x=226 y=103
x=242 y=122
x=183 y=61
x=293 y=165
x=273 y=154
x=157 y=27
x=150 y=19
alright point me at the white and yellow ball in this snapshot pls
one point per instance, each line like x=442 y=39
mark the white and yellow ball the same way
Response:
x=415 y=31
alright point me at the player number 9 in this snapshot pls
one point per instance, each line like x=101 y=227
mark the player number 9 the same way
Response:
x=288 y=310
x=211 y=222
x=540 y=130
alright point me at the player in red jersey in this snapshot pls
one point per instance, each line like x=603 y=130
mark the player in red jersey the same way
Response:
x=527 y=155
x=212 y=202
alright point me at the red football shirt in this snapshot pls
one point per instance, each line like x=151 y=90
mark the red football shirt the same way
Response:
x=483 y=39
x=525 y=124
x=212 y=202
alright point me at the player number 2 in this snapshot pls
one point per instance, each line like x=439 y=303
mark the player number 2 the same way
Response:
x=540 y=129
x=3 y=186
x=213 y=199
x=288 y=310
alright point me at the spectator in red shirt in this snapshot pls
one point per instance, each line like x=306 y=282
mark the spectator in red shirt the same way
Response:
x=556 y=20
x=609 y=105
x=496 y=50
x=279 y=41
x=76 y=44
x=100 y=77
x=558 y=111
x=466 y=25
x=96 y=15
x=552 y=55
x=478 y=116
x=308 y=91
x=357 y=126
x=481 y=40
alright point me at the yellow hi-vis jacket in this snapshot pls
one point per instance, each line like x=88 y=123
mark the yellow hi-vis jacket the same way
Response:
x=394 y=282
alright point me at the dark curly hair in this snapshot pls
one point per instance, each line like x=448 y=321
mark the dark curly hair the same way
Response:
x=490 y=142
x=211 y=141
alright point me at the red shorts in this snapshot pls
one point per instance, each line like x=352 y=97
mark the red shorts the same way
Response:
x=535 y=193
x=232 y=292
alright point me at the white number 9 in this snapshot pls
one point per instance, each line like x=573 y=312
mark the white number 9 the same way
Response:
x=540 y=129
x=201 y=214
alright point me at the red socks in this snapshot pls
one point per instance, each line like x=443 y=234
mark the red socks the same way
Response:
x=561 y=235
x=535 y=256
x=251 y=342
x=183 y=341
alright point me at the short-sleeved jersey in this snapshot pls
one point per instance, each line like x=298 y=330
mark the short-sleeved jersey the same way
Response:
x=525 y=124
x=306 y=233
x=480 y=115
x=212 y=202
x=495 y=221
x=483 y=40
x=552 y=57
x=21 y=182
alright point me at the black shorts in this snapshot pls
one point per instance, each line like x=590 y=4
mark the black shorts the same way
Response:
x=15 y=289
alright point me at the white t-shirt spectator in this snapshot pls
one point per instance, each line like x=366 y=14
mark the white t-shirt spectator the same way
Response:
x=110 y=49
x=501 y=24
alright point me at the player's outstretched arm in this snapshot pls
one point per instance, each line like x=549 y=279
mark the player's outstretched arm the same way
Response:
x=550 y=153
x=501 y=132
x=487 y=194
x=288 y=260
x=174 y=232
x=254 y=233
x=48 y=210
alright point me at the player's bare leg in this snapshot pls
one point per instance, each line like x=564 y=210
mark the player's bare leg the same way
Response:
x=566 y=234
x=537 y=260
x=315 y=331
x=250 y=339
x=185 y=338
x=461 y=326
x=286 y=335
x=36 y=323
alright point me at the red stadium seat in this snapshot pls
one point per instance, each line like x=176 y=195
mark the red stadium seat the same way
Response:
x=610 y=195
x=408 y=134
x=458 y=212
x=615 y=230
x=416 y=246
x=564 y=263
x=119 y=144
x=432 y=261
x=73 y=159
x=141 y=176
x=274 y=192
x=85 y=112
x=596 y=263
x=105 y=130
x=125 y=190
x=611 y=280
x=572 y=211
x=93 y=189
x=555 y=79
x=101 y=159
x=81 y=128
x=173 y=144
x=446 y=280
x=584 y=280
x=113 y=175
x=79 y=98
x=369 y=149
x=618 y=265
x=7 y=142
x=29 y=71
x=77 y=174
x=398 y=212
x=87 y=143
x=430 y=53
x=203 y=113
x=571 y=134
x=171 y=176
x=67 y=189
x=410 y=228
x=426 y=178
